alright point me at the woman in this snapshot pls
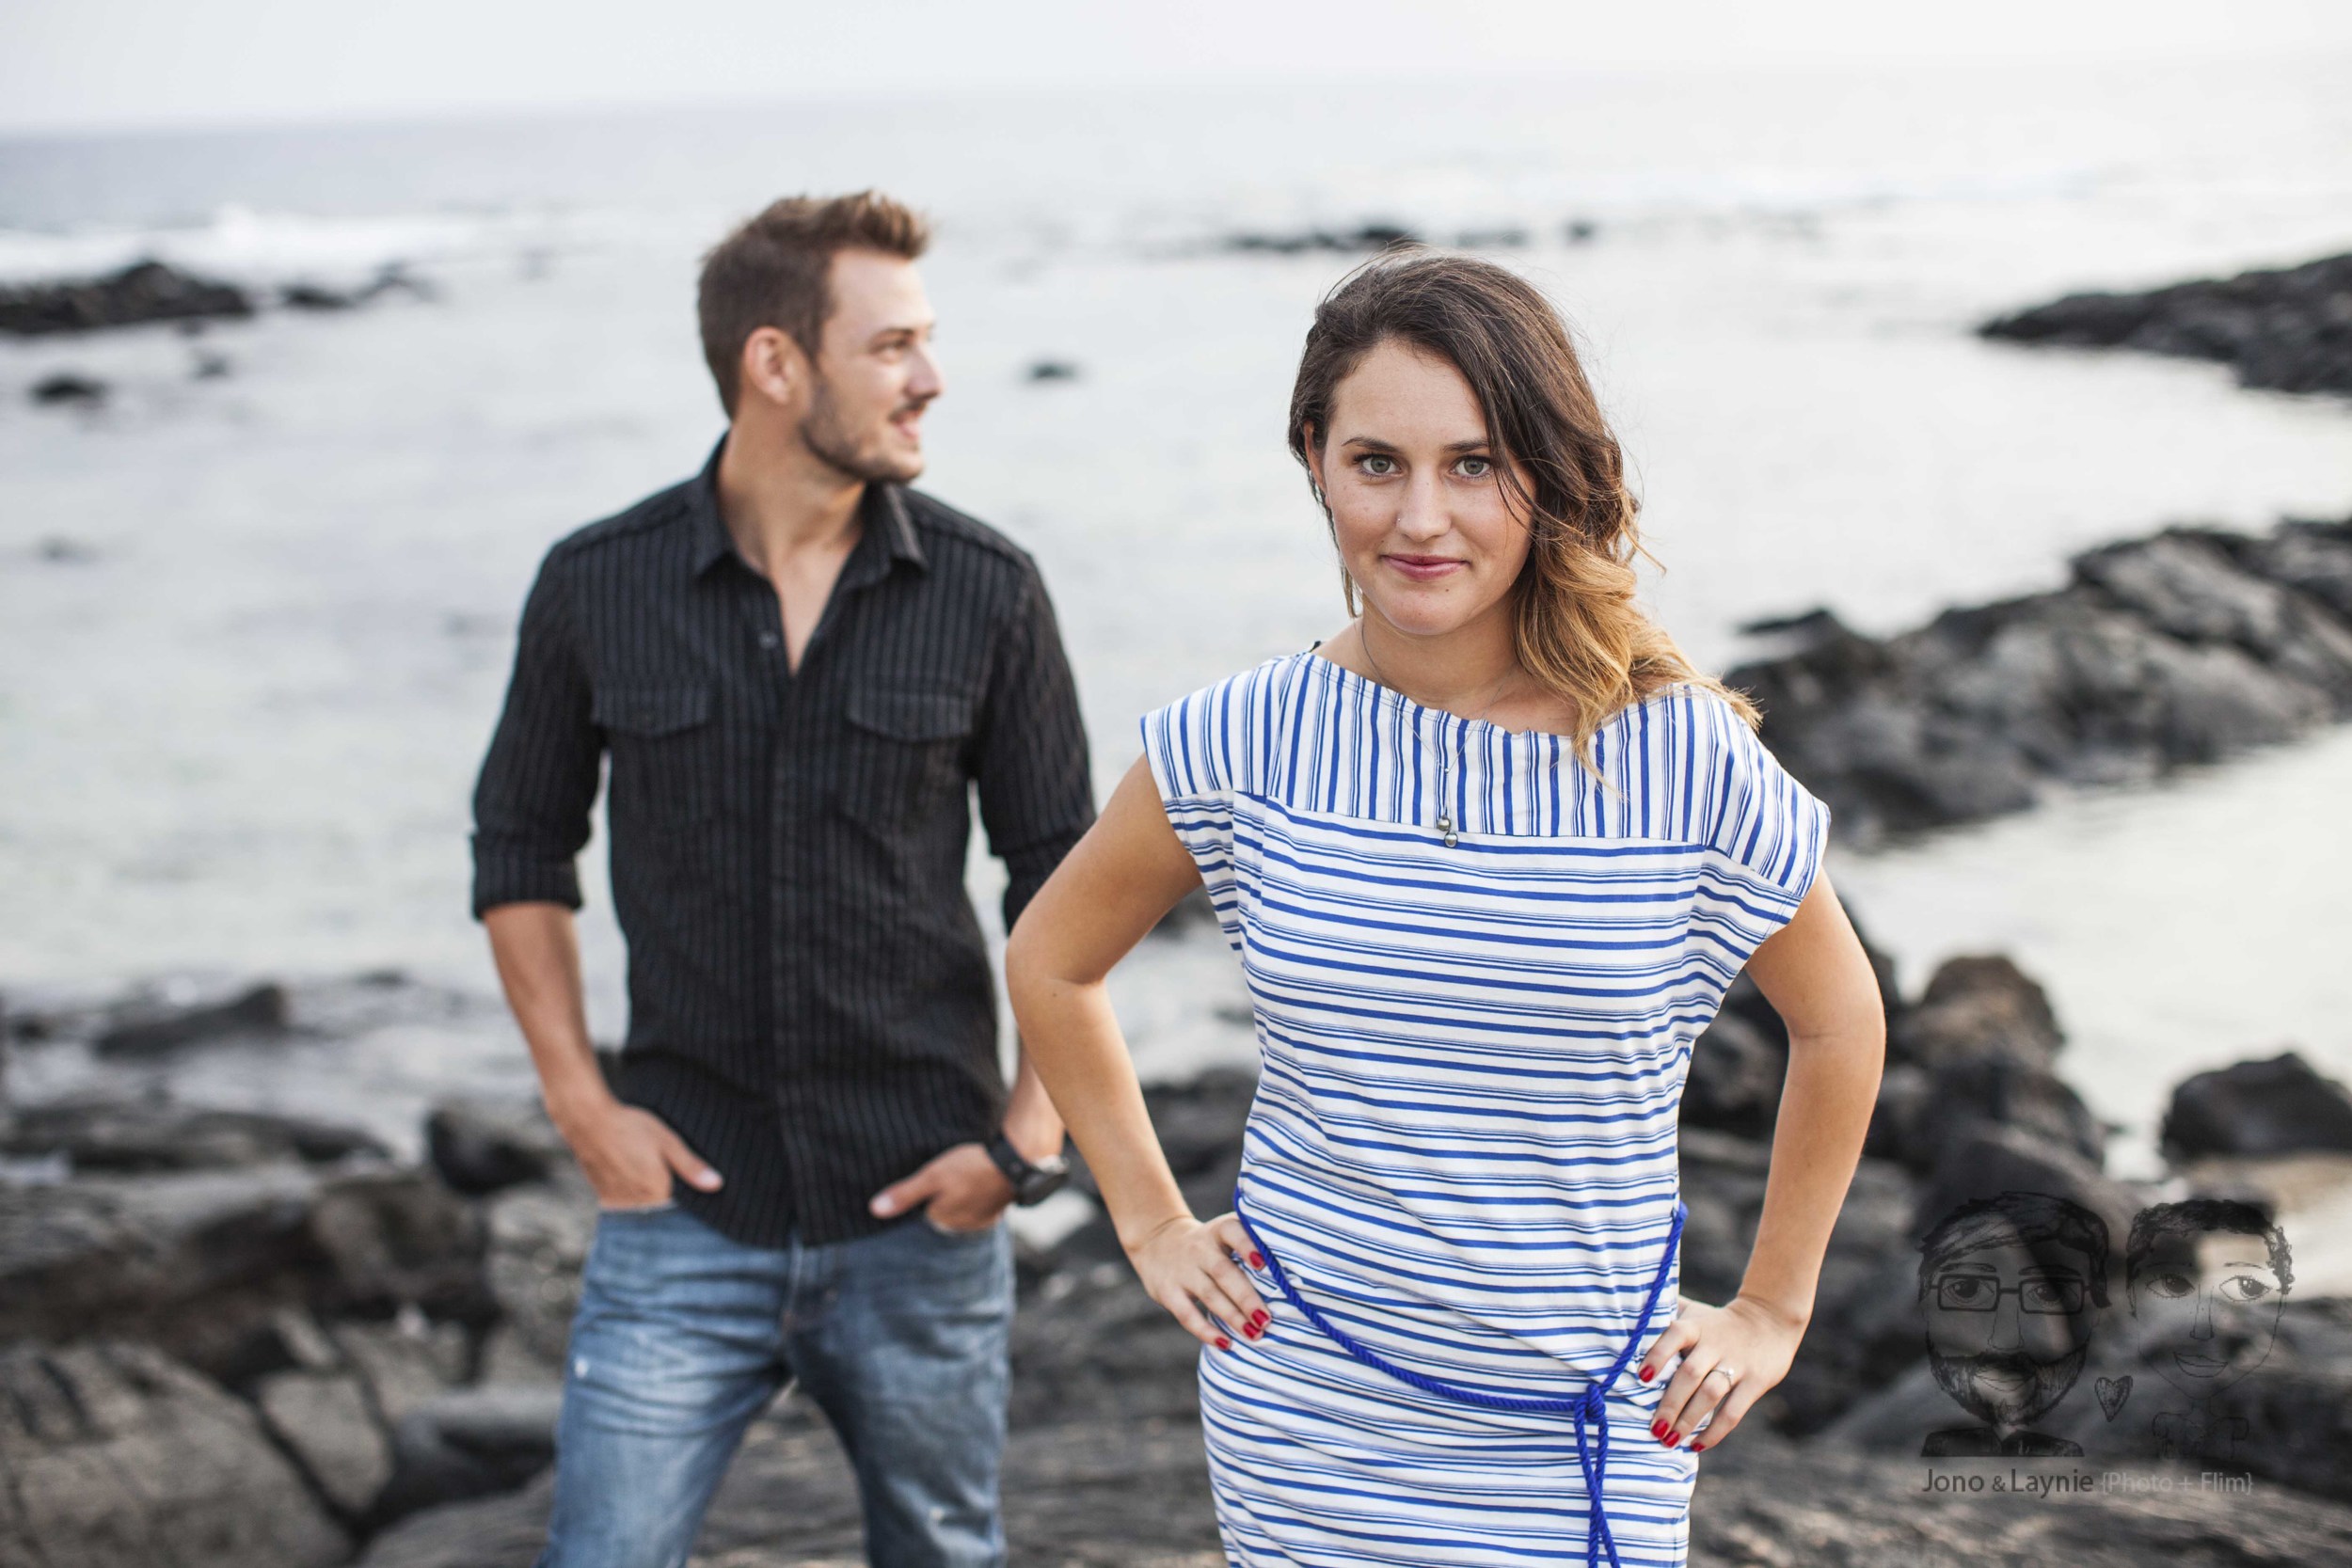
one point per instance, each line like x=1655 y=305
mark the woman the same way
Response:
x=1490 y=856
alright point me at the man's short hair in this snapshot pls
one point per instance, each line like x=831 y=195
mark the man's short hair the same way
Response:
x=2038 y=1221
x=771 y=272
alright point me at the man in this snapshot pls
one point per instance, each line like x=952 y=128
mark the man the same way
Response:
x=796 y=668
x=2011 y=1288
x=2206 y=1279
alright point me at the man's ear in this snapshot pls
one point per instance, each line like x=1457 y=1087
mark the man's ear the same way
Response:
x=774 y=366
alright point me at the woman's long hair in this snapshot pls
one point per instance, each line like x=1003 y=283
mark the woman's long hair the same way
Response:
x=1577 y=627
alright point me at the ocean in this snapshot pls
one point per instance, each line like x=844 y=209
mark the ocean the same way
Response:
x=254 y=626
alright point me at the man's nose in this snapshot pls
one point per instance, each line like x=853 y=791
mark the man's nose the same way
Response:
x=926 y=380
x=2202 y=1327
x=2006 y=1331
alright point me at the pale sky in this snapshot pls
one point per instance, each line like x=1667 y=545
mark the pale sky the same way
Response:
x=94 y=64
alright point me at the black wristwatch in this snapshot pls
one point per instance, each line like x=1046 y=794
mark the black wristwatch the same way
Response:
x=1033 y=1181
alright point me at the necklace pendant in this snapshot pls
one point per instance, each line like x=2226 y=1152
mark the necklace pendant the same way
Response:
x=1445 y=827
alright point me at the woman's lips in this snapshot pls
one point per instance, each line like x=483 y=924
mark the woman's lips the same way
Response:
x=1424 y=569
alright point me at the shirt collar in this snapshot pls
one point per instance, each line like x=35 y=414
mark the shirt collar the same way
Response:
x=886 y=531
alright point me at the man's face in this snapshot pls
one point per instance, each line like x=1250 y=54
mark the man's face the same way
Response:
x=2008 y=1330
x=2206 y=1307
x=874 y=371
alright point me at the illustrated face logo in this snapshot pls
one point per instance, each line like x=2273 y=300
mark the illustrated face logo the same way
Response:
x=2206 y=1281
x=2011 y=1289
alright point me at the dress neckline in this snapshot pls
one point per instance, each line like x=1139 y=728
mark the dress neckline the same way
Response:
x=1391 y=694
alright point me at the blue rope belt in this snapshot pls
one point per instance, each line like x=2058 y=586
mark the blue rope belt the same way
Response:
x=1590 y=1408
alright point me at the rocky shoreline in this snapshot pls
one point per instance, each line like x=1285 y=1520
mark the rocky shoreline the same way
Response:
x=2285 y=329
x=267 y=1341
x=2159 y=654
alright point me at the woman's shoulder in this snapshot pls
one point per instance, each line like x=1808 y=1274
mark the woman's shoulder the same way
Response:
x=1208 y=741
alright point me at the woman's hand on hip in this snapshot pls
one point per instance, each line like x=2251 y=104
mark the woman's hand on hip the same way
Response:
x=1731 y=1357
x=1189 y=1268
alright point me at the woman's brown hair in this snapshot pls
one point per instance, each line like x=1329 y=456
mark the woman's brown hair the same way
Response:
x=1578 y=629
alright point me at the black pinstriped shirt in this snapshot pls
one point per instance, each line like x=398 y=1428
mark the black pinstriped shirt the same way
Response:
x=810 y=1001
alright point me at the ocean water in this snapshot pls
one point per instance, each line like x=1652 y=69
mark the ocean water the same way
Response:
x=254 y=627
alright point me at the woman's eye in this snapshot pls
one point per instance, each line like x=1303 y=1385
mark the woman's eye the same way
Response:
x=1378 y=465
x=1475 y=468
x=2244 y=1288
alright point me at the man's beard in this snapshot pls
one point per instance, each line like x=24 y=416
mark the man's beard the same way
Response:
x=2039 y=1384
x=824 y=433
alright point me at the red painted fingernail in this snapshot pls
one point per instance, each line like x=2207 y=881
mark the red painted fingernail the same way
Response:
x=1648 y=1372
x=1658 y=1430
x=1223 y=1343
x=1262 y=1319
x=1696 y=1446
x=1257 y=1260
x=1672 y=1438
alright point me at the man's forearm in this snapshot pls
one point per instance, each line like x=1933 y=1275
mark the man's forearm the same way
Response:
x=536 y=947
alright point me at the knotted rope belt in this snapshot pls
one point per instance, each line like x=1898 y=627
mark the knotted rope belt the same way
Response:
x=1588 y=1412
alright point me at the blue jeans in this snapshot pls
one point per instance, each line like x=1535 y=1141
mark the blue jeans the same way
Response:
x=684 y=1335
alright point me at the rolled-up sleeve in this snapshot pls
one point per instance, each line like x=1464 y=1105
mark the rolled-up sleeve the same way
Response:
x=1036 y=796
x=538 y=783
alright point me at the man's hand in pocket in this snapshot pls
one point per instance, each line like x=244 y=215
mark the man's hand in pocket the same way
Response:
x=631 y=1156
x=963 y=1187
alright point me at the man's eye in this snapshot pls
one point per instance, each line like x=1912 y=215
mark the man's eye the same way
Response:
x=2243 y=1288
x=1475 y=468
x=2041 y=1291
x=2173 y=1285
x=1964 y=1290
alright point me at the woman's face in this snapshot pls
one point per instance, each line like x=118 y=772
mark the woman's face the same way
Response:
x=1423 y=522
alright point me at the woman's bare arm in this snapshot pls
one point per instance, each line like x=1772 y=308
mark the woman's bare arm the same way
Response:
x=1128 y=871
x=1816 y=976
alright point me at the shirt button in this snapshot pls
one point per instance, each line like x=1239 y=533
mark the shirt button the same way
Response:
x=768 y=639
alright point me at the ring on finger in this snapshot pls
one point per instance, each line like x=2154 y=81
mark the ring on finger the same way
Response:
x=1724 y=1373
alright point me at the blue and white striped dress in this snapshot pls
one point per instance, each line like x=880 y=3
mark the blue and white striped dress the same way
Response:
x=1476 y=973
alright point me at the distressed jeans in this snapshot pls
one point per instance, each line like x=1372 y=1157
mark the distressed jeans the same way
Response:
x=684 y=1335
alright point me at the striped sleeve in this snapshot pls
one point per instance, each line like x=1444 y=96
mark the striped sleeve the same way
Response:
x=1768 y=831
x=1199 y=751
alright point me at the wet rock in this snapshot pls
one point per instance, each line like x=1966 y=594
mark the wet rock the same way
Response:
x=2278 y=1106
x=2289 y=329
x=149 y=1028
x=2160 y=653
x=58 y=550
x=480 y=1147
x=470 y=1443
x=405 y=1364
x=399 y=1238
x=115 y=1456
x=1989 y=1160
x=1922 y=1114
x=146 y=291
x=309 y=296
x=1580 y=231
x=196 y=1262
x=1735 y=1078
x=1977 y=1008
x=539 y=1237
x=206 y=1263
x=126 y=1137
x=66 y=387
x=324 y=1421
x=1052 y=370
x=1361 y=240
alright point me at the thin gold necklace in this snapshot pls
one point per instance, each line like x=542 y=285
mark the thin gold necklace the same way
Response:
x=1381 y=675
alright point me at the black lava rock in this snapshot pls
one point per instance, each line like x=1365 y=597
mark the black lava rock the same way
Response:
x=2278 y=1106
x=147 y=292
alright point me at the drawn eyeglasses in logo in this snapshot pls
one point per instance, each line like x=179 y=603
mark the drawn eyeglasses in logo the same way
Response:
x=2056 y=1296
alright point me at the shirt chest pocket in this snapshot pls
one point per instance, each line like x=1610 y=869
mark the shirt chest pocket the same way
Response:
x=904 y=760
x=667 y=765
